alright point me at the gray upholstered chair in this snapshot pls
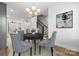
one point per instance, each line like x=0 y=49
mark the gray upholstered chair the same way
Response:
x=49 y=43
x=20 y=46
x=20 y=34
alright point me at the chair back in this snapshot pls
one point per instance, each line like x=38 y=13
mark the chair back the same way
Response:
x=20 y=34
x=52 y=40
x=15 y=41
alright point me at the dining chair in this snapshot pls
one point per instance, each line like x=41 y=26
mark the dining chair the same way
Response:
x=20 y=34
x=48 y=43
x=20 y=46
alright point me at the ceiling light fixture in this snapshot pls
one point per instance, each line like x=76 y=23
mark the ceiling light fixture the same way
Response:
x=33 y=11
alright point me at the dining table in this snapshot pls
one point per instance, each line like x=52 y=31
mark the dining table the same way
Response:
x=34 y=37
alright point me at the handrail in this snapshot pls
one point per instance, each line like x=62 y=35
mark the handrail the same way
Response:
x=41 y=26
x=44 y=27
x=41 y=23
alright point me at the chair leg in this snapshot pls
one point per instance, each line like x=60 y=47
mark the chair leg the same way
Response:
x=13 y=53
x=19 y=54
x=39 y=49
x=52 y=51
x=31 y=51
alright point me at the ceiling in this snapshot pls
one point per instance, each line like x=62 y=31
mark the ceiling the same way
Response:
x=19 y=8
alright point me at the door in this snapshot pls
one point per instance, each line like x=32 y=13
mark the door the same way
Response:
x=3 y=26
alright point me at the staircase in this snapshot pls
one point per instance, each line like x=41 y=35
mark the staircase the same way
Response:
x=42 y=28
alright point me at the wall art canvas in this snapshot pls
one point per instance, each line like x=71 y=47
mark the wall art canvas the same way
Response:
x=64 y=20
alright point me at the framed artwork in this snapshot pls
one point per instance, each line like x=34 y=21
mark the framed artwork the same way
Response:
x=64 y=20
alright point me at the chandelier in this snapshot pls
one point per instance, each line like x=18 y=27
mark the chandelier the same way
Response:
x=34 y=11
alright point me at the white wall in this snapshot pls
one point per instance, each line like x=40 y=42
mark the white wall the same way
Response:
x=68 y=38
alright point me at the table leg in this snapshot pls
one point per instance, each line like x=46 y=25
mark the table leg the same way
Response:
x=35 y=47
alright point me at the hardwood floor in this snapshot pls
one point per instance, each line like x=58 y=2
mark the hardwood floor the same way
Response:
x=60 y=51
x=4 y=52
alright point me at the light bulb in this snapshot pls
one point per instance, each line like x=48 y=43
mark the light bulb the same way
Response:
x=38 y=10
x=33 y=8
x=27 y=9
x=35 y=13
x=30 y=12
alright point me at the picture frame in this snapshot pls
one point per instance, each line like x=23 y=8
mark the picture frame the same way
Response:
x=64 y=20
